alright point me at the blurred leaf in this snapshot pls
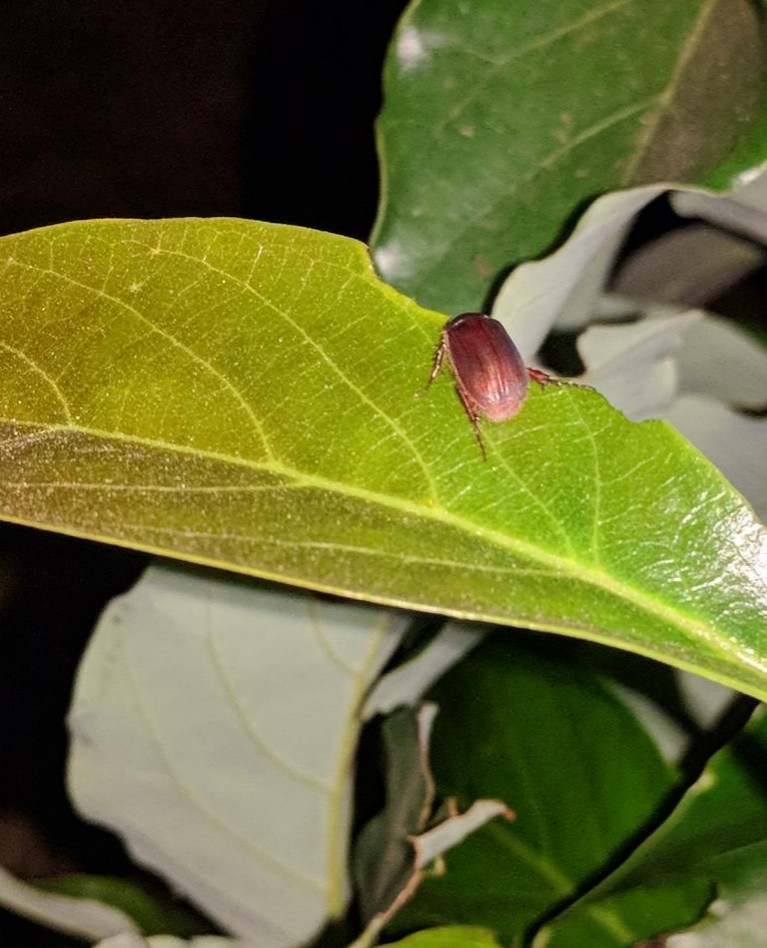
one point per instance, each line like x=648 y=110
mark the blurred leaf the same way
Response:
x=689 y=266
x=214 y=726
x=406 y=683
x=735 y=442
x=171 y=941
x=738 y=918
x=741 y=363
x=152 y=913
x=720 y=823
x=241 y=394
x=633 y=364
x=384 y=858
x=631 y=916
x=397 y=844
x=80 y=917
x=716 y=837
x=500 y=119
x=568 y=757
x=564 y=289
x=449 y=937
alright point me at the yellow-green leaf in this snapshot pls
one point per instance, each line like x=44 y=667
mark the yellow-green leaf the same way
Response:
x=241 y=394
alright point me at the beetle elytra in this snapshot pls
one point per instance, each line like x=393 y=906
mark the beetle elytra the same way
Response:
x=490 y=376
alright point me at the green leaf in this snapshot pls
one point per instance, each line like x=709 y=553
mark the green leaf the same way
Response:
x=715 y=839
x=153 y=913
x=571 y=761
x=79 y=917
x=501 y=119
x=739 y=916
x=626 y=919
x=383 y=859
x=241 y=394
x=456 y=936
x=409 y=834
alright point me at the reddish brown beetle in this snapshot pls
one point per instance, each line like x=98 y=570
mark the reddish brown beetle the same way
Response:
x=490 y=376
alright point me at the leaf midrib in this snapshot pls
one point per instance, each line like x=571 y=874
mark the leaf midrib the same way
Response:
x=554 y=563
x=666 y=98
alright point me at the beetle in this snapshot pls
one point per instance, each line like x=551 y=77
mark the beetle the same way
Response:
x=490 y=376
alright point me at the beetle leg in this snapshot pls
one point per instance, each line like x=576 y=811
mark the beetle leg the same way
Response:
x=473 y=414
x=439 y=356
x=543 y=378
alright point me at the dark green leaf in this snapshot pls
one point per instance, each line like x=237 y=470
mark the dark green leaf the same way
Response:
x=570 y=760
x=501 y=118
x=715 y=838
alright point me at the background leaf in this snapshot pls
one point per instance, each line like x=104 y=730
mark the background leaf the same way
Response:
x=457 y=936
x=151 y=911
x=609 y=845
x=85 y=918
x=564 y=288
x=384 y=858
x=500 y=119
x=650 y=359
x=714 y=839
x=738 y=917
x=582 y=776
x=170 y=941
x=242 y=394
x=409 y=833
x=213 y=726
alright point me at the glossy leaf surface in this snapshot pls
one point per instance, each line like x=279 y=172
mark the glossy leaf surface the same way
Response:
x=241 y=394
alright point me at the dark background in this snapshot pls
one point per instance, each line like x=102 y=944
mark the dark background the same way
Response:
x=261 y=109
